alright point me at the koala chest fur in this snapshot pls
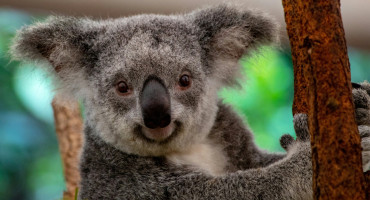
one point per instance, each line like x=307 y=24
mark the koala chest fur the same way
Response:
x=205 y=157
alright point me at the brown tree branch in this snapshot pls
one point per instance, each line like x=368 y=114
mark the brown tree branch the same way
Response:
x=367 y=180
x=68 y=125
x=323 y=88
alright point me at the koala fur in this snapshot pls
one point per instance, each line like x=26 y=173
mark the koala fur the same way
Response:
x=209 y=152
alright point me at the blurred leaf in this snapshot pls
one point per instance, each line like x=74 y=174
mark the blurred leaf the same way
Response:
x=267 y=88
x=34 y=89
x=46 y=179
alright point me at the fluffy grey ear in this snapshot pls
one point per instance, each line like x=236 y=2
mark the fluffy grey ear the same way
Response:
x=59 y=40
x=65 y=42
x=227 y=33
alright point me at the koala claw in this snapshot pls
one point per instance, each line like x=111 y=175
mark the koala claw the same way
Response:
x=364 y=131
x=361 y=97
x=366 y=161
x=365 y=144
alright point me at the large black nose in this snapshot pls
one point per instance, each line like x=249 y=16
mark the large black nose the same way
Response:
x=155 y=104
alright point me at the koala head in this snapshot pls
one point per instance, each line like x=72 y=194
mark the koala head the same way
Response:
x=149 y=82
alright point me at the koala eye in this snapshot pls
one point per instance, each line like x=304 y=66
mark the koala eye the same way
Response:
x=184 y=81
x=122 y=88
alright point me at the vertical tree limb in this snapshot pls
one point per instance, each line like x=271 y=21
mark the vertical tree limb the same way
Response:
x=68 y=125
x=323 y=88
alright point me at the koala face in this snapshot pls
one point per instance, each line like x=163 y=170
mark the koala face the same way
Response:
x=152 y=95
x=149 y=83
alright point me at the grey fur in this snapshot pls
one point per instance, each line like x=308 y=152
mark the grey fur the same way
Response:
x=118 y=162
x=362 y=102
x=301 y=126
x=286 y=141
x=251 y=174
x=361 y=98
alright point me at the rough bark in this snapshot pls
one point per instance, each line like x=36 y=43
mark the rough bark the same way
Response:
x=323 y=88
x=367 y=180
x=68 y=125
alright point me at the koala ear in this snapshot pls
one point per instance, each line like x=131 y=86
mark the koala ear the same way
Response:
x=62 y=41
x=227 y=33
x=56 y=40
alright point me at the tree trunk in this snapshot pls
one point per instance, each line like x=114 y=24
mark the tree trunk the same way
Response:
x=322 y=87
x=68 y=125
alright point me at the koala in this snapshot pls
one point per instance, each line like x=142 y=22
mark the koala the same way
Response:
x=154 y=127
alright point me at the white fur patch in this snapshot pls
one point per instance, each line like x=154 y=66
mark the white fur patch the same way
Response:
x=205 y=157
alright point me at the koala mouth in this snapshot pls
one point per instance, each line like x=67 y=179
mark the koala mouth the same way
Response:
x=159 y=135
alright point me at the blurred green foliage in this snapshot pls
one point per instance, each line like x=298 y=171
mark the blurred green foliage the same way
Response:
x=265 y=96
x=30 y=164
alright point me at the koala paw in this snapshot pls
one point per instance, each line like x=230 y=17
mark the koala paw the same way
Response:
x=301 y=128
x=365 y=144
x=361 y=97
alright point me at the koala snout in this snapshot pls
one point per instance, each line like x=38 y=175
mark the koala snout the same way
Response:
x=155 y=104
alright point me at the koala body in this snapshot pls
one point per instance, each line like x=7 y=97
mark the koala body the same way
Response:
x=154 y=127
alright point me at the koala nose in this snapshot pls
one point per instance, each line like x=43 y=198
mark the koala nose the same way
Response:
x=155 y=104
